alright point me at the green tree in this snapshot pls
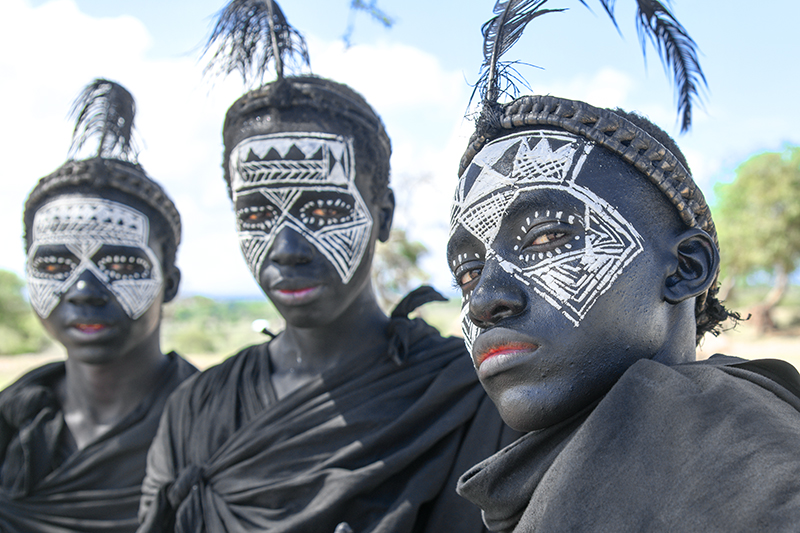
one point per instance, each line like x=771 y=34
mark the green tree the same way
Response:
x=20 y=331
x=758 y=219
x=395 y=268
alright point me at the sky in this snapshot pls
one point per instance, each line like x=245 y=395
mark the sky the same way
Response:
x=416 y=74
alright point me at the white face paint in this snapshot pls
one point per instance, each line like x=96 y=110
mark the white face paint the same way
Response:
x=306 y=182
x=573 y=276
x=74 y=234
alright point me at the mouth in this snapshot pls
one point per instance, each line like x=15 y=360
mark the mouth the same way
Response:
x=290 y=294
x=497 y=350
x=505 y=350
x=89 y=328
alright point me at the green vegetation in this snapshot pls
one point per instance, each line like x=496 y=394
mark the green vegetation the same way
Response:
x=20 y=330
x=758 y=219
x=200 y=325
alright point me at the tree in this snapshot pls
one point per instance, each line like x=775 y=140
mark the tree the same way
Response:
x=20 y=331
x=396 y=269
x=758 y=220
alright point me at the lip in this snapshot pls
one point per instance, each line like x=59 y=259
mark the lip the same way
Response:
x=295 y=292
x=499 y=349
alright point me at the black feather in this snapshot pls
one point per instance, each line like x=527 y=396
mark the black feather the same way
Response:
x=677 y=50
x=499 y=34
x=251 y=34
x=105 y=109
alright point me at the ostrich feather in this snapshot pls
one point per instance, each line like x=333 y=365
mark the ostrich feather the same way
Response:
x=676 y=49
x=251 y=34
x=499 y=35
x=104 y=110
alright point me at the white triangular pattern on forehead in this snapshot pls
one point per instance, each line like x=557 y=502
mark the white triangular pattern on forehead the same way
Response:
x=487 y=182
x=483 y=219
x=542 y=164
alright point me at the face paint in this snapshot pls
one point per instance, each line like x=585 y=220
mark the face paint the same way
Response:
x=571 y=277
x=306 y=182
x=74 y=234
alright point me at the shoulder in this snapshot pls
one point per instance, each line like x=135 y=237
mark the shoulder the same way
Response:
x=199 y=388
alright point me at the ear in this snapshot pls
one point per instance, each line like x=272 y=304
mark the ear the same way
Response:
x=694 y=266
x=171 y=283
x=385 y=215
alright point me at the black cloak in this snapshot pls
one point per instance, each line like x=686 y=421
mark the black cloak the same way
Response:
x=48 y=486
x=705 y=446
x=378 y=446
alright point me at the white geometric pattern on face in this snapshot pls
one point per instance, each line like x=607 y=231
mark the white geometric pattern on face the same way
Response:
x=282 y=167
x=572 y=279
x=84 y=226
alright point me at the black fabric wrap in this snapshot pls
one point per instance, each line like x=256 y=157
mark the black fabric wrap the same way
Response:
x=377 y=446
x=706 y=446
x=44 y=488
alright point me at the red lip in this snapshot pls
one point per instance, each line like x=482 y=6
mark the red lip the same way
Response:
x=498 y=349
x=89 y=328
x=510 y=348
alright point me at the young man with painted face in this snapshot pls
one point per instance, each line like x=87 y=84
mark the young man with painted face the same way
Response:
x=101 y=239
x=348 y=420
x=588 y=262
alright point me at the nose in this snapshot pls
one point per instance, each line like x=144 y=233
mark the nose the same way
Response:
x=290 y=248
x=497 y=296
x=88 y=290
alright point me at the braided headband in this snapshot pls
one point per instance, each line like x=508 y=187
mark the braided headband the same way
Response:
x=611 y=131
x=98 y=172
x=296 y=93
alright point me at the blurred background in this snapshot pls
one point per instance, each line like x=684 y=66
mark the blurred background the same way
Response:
x=415 y=62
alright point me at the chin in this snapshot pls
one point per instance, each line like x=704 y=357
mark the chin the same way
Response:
x=528 y=409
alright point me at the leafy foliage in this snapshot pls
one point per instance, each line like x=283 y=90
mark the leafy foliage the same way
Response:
x=758 y=215
x=20 y=330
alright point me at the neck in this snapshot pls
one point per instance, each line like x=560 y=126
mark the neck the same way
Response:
x=95 y=397
x=357 y=332
x=681 y=346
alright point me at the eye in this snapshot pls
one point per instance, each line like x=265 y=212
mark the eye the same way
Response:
x=53 y=266
x=467 y=275
x=322 y=212
x=548 y=238
x=125 y=266
x=257 y=217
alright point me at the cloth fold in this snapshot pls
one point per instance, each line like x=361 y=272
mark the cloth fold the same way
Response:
x=706 y=446
x=373 y=445
x=48 y=486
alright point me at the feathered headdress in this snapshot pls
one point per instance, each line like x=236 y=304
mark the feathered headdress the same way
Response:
x=251 y=34
x=655 y=22
x=105 y=110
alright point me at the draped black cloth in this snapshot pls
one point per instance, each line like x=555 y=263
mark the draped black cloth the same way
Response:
x=47 y=485
x=377 y=445
x=705 y=446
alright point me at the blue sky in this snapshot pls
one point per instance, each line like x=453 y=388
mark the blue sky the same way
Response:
x=416 y=75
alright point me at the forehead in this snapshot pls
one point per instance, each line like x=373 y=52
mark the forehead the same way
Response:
x=298 y=160
x=78 y=217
